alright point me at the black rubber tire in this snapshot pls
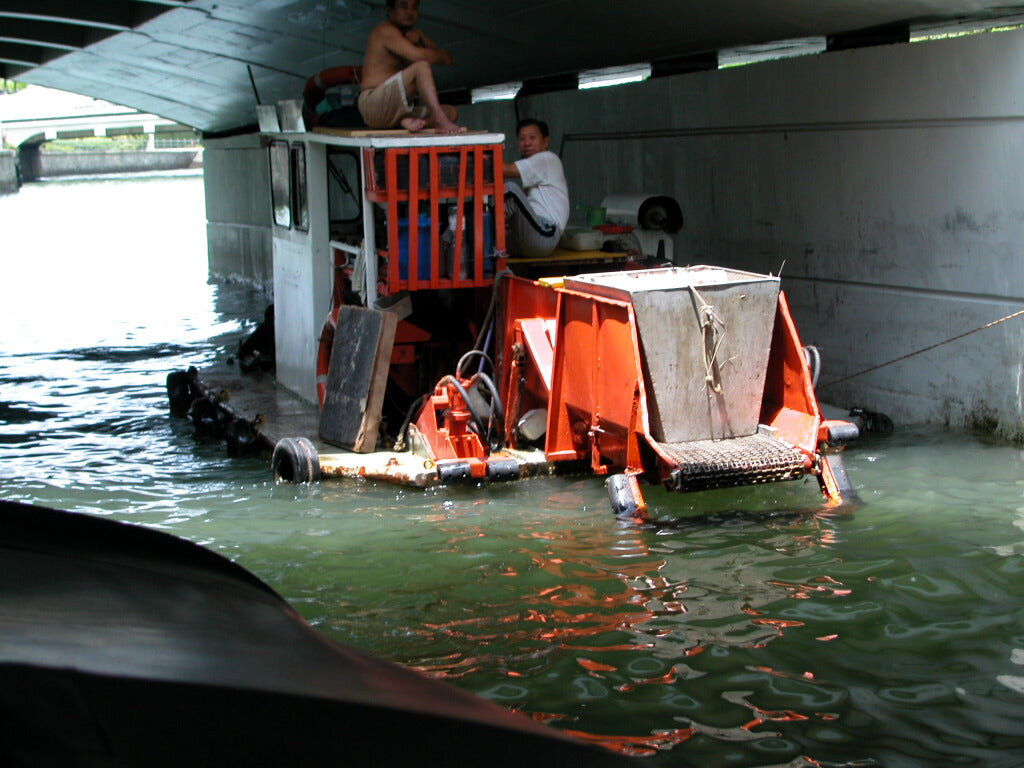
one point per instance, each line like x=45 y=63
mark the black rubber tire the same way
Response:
x=207 y=417
x=453 y=472
x=872 y=421
x=241 y=438
x=180 y=392
x=623 y=500
x=295 y=460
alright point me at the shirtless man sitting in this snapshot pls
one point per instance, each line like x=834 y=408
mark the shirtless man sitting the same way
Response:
x=397 y=68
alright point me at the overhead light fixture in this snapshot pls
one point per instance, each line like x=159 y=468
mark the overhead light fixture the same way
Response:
x=779 y=49
x=924 y=32
x=602 y=78
x=500 y=92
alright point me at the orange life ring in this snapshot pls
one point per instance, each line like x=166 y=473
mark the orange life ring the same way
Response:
x=317 y=85
x=323 y=355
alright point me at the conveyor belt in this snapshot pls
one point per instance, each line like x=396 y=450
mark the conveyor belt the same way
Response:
x=704 y=464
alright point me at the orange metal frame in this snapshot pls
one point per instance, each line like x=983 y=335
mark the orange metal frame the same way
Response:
x=526 y=346
x=598 y=407
x=789 y=403
x=444 y=423
x=436 y=198
x=579 y=355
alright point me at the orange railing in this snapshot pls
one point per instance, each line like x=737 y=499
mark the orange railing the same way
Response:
x=429 y=181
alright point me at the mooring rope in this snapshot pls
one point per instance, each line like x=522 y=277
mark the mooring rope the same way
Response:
x=709 y=319
x=1018 y=313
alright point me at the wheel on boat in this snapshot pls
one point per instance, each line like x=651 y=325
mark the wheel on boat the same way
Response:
x=207 y=417
x=181 y=391
x=295 y=460
x=242 y=438
x=625 y=496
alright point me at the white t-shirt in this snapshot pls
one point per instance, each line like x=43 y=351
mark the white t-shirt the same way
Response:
x=546 y=189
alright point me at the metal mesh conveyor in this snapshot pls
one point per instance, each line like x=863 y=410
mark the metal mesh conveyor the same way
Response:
x=758 y=458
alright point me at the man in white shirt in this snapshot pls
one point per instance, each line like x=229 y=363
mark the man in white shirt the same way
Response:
x=537 y=212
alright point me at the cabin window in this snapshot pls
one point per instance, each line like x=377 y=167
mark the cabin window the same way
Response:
x=343 y=189
x=280 y=183
x=300 y=200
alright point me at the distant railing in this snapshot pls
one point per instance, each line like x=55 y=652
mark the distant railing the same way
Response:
x=124 y=143
x=184 y=143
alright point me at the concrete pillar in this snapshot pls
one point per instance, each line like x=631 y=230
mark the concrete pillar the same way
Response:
x=31 y=162
x=8 y=172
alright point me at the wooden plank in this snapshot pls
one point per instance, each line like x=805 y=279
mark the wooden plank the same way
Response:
x=358 y=374
x=364 y=133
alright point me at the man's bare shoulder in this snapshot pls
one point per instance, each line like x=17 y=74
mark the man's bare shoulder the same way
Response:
x=379 y=63
x=384 y=33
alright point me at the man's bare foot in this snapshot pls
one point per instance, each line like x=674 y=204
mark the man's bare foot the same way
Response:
x=412 y=124
x=446 y=126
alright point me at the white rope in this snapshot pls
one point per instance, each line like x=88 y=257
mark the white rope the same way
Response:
x=712 y=338
x=1010 y=316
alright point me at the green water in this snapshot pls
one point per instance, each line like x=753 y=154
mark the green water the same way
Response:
x=742 y=628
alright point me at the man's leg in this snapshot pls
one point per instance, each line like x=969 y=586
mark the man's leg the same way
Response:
x=386 y=105
x=522 y=236
x=418 y=78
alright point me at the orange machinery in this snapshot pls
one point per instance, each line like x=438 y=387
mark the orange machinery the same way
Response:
x=690 y=378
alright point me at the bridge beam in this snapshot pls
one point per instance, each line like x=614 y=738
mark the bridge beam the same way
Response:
x=17 y=132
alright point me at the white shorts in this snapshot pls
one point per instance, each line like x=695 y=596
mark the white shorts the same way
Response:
x=385 y=105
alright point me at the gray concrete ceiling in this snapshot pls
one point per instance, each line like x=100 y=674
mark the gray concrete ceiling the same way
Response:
x=202 y=62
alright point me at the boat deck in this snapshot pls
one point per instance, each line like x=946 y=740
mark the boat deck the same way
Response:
x=257 y=398
x=277 y=413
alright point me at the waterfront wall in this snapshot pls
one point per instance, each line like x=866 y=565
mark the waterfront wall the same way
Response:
x=881 y=182
x=81 y=163
x=8 y=172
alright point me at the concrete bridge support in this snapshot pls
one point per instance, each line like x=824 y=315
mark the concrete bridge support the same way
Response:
x=31 y=162
x=9 y=177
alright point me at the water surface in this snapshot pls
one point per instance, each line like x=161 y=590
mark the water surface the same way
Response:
x=742 y=628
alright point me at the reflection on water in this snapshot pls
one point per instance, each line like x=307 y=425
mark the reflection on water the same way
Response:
x=744 y=627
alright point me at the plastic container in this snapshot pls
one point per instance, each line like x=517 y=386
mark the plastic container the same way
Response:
x=579 y=239
x=423 y=230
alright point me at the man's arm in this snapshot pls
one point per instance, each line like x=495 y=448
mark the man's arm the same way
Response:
x=511 y=170
x=416 y=37
x=399 y=45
